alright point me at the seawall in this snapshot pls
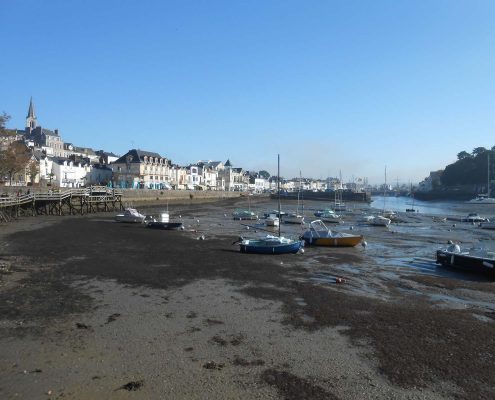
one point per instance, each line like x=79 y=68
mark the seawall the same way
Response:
x=132 y=196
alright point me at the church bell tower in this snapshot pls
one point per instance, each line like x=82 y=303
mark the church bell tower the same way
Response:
x=31 y=121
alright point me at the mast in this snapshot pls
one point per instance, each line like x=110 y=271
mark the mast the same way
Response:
x=488 y=186
x=278 y=189
x=302 y=194
x=385 y=189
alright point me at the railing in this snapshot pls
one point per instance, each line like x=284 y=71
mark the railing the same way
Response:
x=94 y=193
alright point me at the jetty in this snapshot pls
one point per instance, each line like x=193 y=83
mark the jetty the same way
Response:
x=61 y=202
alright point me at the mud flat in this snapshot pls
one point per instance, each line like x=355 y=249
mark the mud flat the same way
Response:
x=93 y=309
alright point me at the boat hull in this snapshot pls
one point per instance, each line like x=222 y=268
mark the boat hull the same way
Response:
x=466 y=262
x=349 y=241
x=289 y=248
x=166 y=226
x=129 y=220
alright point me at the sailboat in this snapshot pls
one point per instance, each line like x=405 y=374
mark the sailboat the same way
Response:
x=271 y=244
x=242 y=214
x=295 y=218
x=339 y=202
x=382 y=220
x=412 y=207
x=484 y=198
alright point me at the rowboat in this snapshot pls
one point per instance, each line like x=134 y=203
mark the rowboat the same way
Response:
x=319 y=235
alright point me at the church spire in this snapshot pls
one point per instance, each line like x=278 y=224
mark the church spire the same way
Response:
x=31 y=122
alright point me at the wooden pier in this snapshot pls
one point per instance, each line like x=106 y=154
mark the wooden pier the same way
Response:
x=62 y=202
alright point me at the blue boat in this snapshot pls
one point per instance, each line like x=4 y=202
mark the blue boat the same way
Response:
x=271 y=245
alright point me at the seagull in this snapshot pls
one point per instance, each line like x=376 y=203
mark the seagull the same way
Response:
x=364 y=244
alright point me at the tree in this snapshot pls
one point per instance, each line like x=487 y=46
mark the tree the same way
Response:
x=3 y=121
x=462 y=155
x=14 y=159
x=264 y=174
x=478 y=150
x=33 y=170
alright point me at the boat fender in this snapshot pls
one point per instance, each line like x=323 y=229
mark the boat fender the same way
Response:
x=487 y=264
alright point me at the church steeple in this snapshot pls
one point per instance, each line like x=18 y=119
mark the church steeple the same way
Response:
x=31 y=121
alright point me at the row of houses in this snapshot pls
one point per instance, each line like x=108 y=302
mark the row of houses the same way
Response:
x=63 y=164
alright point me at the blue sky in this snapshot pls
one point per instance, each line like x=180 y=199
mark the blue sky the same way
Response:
x=349 y=86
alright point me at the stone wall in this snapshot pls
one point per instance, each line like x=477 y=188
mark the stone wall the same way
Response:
x=150 y=195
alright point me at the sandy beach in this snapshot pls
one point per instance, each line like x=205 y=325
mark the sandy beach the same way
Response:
x=93 y=309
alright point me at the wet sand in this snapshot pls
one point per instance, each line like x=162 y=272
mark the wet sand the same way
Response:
x=93 y=309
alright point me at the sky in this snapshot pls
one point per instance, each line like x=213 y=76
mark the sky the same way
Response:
x=350 y=87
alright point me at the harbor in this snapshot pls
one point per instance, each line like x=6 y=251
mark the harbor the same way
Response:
x=185 y=314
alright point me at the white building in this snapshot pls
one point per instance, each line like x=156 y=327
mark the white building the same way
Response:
x=70 y=174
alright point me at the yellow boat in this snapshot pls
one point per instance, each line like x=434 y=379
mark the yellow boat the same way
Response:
x=319 y=235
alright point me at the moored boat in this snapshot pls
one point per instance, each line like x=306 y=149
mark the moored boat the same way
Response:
x=130 y=215
x=330 y=216
x=244 y=215
x=163 y=223
x=474 y=260
x=474 y=217
x=319 y=235
x=485 y=198
x=272 y=220
x=293 y=218
x=271 y=245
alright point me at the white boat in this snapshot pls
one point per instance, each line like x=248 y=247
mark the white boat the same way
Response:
x=389 y=214
x=293 y=218
x=130 y=215
x=330 y=216
x=484 y=198
x=272 y=220
x=474 y=217
x=380 y=220
x=386 y=217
